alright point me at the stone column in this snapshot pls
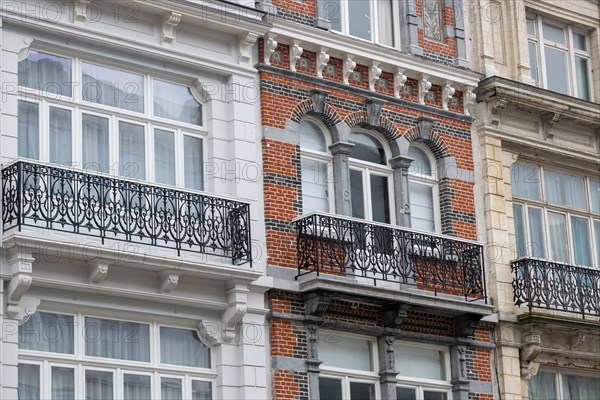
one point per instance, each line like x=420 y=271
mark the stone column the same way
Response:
x=341 y=177
x=400 y=165
x=312 y=363
x=458 y=372
x=387 y=367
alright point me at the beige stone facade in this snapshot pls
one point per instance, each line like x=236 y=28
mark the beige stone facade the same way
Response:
x=519 y=120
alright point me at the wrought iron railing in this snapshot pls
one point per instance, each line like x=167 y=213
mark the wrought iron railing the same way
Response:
x=556 y=286
x=342 y=246
x=58 y=198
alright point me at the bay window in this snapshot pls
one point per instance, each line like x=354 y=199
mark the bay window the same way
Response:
x=559 y=57
x=556 y=215
x=110 y=120
x=74 y=356
x=423 y=372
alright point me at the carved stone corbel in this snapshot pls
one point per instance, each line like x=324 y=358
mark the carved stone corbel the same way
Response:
x=549 y=121
x=374 y=74
x=19 y=269
x=394 y=314
x=98 y=272
x=425 y=125
x=577 y=338
x=168 y=281
x=374 y=109
x=80 y=10
x=209 y=332
x=399 y=81
x=236 y=299
x=424 y=86
x=316 y=303
x=532 y=339
x=269 y=48
x=495 y=106
x=246 y=43
x=319 y=97
x=24 y=49
x=447 y=93
x=169 y=24
x=295 y=54
x=469 y=101
x=322 y=60
x=464 y=325
x=349 y=66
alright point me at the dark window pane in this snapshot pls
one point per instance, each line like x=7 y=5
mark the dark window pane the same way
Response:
x=362 y=391
x=403 y=393
x=434 y=395
x=29 y=382
x=357 y=194
x=330 y=388
x=380 y=199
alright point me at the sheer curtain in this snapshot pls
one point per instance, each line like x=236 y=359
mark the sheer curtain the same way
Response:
x=537 y=243
x=98 y=385
x=345 y=352
x=95 y=143
x=63 y=383
x=558 y=237
x=112 y=87
x=386 y=22
x=542 y=386
x=136 y=387
x=183 y=347
x=164 y=157
x=580 y=387
x=581 y=241
x=117 y=339
x=132 y=151
x=201 y=390
x=192 y=163
x=314 y=186
x=29 y=382
x=173 y=101
x=28 y=130
x=420 y=362
x=47 y=332
x=170 y=388
x=421 y=206
x=519 y=230
x=60 y=136
x=565 y=189
x=525 y=180
x=46 y=72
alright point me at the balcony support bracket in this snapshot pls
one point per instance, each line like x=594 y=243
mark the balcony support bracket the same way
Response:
x=394 y=314
x=99 y=271
x=19 y=273
x=316 y=303
x=532 y=337
x=236 y=297
x=464 y=325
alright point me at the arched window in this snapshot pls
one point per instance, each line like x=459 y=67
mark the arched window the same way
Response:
x=422 y=186
x=316 y=167
x=370 y=179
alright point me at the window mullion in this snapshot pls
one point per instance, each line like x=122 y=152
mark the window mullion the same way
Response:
x=571 y=63
x=542 y=66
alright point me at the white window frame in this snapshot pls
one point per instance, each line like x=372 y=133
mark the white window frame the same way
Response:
x=424 y=384
x=78 y=107
x=81 y=362
x=568 y=47
x=431 y=181
x=568 y=212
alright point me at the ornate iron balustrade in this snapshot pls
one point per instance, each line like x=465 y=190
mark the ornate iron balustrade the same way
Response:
x=329 y=244
x=57 y=198
x=556 y=286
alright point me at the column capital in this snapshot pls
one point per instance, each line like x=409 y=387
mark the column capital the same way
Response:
x=401 y=162
x=343 y=148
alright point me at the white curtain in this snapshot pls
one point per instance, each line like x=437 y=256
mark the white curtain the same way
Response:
x=164 y=156
x=173 y=101
x=519 y=230
x=192 y=163
x=60 y=136
x=345 y=352
x=542 y=386
x=525 y=180
x=63 y=383
x=28 y=130
x=113 y=87
x=136 y=387
x=386 y=22
x=29 y=382
x=580 y=387
x=595 y=195
x=580 y=231
x=47 y=332
x=311 y=137
x=566 y=190
x=581 y=74
x=556 y=69
x=314 y=186
x=46 y=72
x=421 y=206
x=117 y=339
x=183 y=347
x=132 y=151
x=95 y=143
x=170 y=389
x=201 y=390
x=537 y=244
x=98 y=385
x=558 y=237
x=420 y=362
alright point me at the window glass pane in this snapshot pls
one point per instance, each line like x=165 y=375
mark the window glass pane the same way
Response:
x=357 y=194
x=314 y=186
x=60 y=136
x=420 y=362
x=98 y=385
x=47 y=332
x=46 y=72
x=556 y=70
x=117 y=339
x=421 y=164
x=421 y=207
x=63 y=383
x=581 y=241
x=530 y=23
x=533 y=61
x=164 y=156
x=553 y=33
x=367 y=148
x=566 y=190
x=201 y=390
x=170 y=388
x=345 y=352
x=582 y=77
x=519 y=230
x=362 y=391
x=113 y=87
x=558 y=237
x=183 y=347
x=595 y=195
x=380 y=199
x=580 y=387
x=525 y=180
x=597 y=241
x=29 y=382
x=330 y=388
x=28 y=130
x=427 y=395
x=542 y=386
x=136 y=387
x=332 y=12
x=173 y=101
x=132 y=151
x=311 y=137
x=537 y=244
x=192 y=164
x=359 y=19
x=579 y=41
x=95 y=143
x=403 y=393
x=386 y=22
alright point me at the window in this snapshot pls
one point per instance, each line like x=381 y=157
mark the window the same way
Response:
x=74 y=356
x=370 y=179
x=423 y=189
x=111 y=120
x=371 y=20
x=315 y=168
x=556 y=215
x=563 y=385
x=423 y=372
x=559 y=56
x=348 y=368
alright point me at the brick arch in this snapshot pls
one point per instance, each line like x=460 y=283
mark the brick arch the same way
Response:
x=386 y=127
x=329 y=116
x=434 y=142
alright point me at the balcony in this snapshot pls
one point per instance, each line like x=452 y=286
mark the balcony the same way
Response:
x=556 y=286
x=63 y=199
x=373 y=253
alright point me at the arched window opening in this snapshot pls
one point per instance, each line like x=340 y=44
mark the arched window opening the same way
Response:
x=315 y=168
x=423 y=189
